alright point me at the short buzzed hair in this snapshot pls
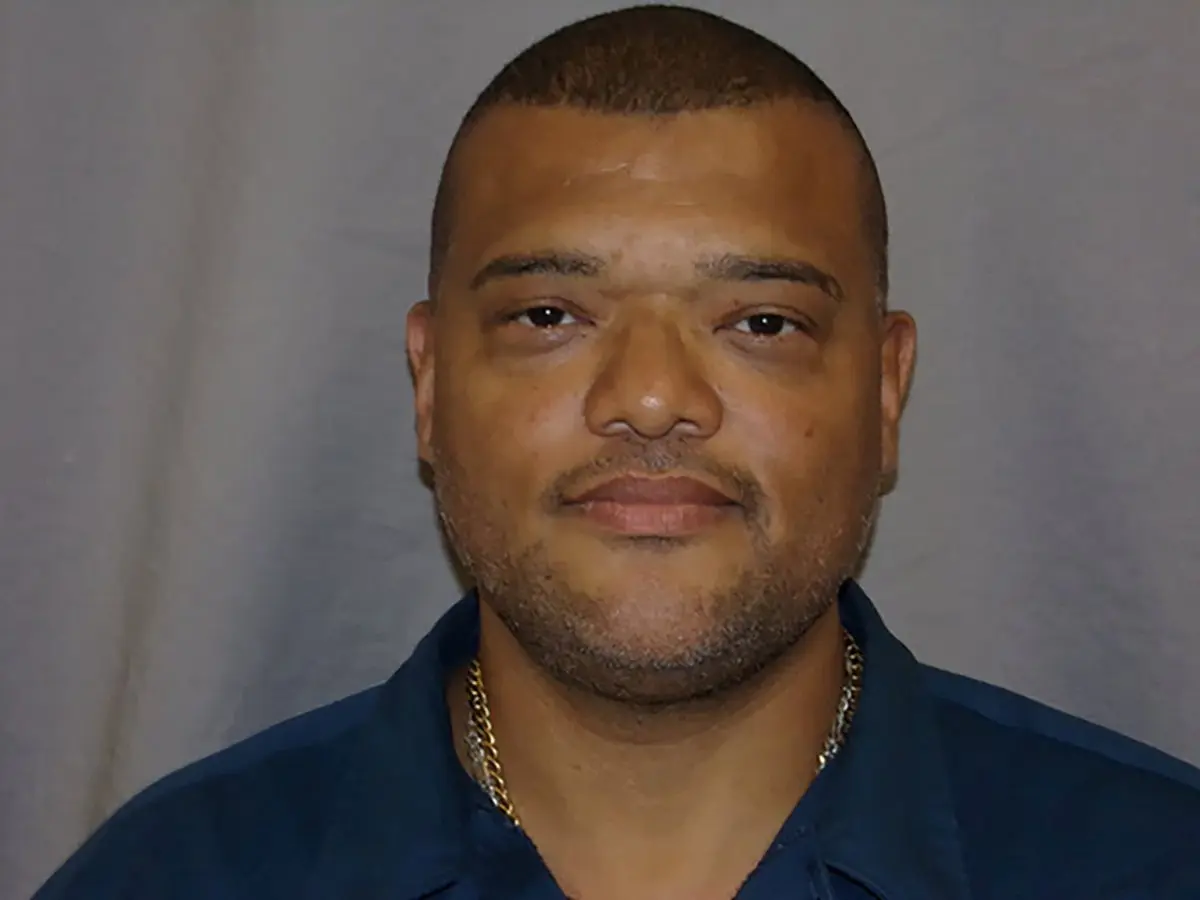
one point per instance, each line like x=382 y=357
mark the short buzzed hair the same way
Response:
x=658 y=60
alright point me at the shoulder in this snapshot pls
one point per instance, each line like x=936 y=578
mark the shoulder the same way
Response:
x=250 y=814
x=1047 y=799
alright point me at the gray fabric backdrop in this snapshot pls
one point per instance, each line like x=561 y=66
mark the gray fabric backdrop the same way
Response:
x=214 y=218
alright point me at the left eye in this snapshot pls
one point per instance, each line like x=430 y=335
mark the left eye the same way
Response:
x=545 y=317
x=767 y=325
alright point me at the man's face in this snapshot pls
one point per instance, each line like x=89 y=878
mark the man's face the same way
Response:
x=655 y=389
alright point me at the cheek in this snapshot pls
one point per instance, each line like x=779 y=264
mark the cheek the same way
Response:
x=508 y=436
x=810 y=449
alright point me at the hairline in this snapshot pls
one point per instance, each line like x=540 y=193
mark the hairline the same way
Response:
x=489 y=103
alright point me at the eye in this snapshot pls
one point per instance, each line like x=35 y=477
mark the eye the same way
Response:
x=545 y=317
x=768 y=325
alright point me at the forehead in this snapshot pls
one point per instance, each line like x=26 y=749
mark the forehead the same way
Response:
x=760 y=179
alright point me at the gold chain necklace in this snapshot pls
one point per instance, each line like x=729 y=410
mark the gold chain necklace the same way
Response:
x=485 y=758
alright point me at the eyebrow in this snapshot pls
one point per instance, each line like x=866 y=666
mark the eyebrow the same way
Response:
x=735 y=267
x=554 y=263
x=727 y=267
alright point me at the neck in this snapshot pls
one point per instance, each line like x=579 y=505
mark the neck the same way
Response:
x=625 y=801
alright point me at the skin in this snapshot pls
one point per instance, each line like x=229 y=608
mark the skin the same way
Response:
x=679 y=665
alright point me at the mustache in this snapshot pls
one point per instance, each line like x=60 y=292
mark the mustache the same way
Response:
x=657 y=458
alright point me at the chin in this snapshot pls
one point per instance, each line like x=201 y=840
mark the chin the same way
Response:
x=648 y=604
x=664 y=663
x=656 y=640
x=616 y=564
x=656 y=625
x=655 y=621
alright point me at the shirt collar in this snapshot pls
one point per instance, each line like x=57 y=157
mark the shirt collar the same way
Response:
x=399 y=830
x=884 y=817
x=887 y=814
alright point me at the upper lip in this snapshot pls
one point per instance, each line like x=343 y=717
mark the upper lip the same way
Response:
x=674 y=490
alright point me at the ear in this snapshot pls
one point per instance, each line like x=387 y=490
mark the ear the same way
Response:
x=898 y=351
x=419 y=343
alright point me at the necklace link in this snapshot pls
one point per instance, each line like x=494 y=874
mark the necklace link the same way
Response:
x=485 y=757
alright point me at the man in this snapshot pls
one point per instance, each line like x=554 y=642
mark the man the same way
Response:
x=659 y=389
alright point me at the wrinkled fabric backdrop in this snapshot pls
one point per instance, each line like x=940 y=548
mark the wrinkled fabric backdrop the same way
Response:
x=214 y=220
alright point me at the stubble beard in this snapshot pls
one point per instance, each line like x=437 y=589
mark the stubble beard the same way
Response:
x=738 y=632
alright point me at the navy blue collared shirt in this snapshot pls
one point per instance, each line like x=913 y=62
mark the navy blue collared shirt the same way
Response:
x=947 y=789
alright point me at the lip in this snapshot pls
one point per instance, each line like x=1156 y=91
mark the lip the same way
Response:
x=673 y=506
x=632 y=490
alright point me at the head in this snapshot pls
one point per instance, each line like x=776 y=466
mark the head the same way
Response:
x=657 y=383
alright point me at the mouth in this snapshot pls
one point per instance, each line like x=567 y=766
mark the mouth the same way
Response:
x=675 y=506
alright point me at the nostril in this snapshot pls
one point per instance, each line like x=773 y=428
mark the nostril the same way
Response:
x=651 y=384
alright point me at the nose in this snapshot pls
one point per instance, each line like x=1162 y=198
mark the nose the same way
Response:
x=651 y=386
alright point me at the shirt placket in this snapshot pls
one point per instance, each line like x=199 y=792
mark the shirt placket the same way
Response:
x=790 y=869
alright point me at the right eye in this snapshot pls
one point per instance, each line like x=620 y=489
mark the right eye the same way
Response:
x=767 y=325
x=545 y=317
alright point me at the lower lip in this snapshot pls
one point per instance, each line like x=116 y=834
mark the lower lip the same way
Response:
x=674 y=520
